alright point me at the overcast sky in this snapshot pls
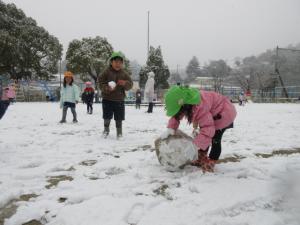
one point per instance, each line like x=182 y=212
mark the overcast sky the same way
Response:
x=208 y=29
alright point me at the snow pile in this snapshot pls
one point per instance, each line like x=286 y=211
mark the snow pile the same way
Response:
x=176 y=151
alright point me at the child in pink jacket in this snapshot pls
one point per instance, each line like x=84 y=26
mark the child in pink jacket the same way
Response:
x=11 y=94
x=4 y=101
x=211 y=112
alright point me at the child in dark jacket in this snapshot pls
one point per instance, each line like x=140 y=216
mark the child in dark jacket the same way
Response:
x=138 y=99
x=88 y=96
x=114 y=81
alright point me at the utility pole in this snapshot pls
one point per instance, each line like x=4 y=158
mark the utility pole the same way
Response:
x=60 y=73
x=148 y=48
x=278 y=74
x=277 y=69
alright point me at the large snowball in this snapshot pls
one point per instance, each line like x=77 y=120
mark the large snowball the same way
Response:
x=175 y=151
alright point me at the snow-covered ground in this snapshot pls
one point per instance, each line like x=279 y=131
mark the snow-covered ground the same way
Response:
x=75 y=177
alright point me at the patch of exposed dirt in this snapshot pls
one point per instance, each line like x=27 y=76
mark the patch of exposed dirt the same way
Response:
x=53 y=181
x=234 y=158
x=62 y=199
x=163 y=191
x=33 y=222
x=279 y=153
x=9 y=209
x=142 y=148
x=70 y=169
x=282 y=152
x=114 y=171
x=88 y=163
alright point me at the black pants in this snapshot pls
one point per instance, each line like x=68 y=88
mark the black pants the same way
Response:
x=112 y=109
x=150 y=107
x=89 y=106
x=216 y=147
x=3 y=107
x=138 y=104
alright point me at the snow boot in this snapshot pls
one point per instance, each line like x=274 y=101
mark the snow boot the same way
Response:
x=64 y=115
x=119 y=129
x=106 y=128
x=202 y=156
x=74 y=115
x=208 y=165
x=119 y=133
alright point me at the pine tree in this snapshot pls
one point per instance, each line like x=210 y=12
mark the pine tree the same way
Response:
x=155 y=63
x=135 y=69
x=192 y=70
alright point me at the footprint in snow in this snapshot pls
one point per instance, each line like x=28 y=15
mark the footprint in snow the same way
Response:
x=135 y=214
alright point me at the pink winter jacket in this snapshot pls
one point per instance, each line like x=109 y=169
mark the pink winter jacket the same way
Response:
x=4 y=95
x=213 y=105
x=11 y=92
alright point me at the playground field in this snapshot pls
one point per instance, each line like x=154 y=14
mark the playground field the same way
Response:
x=67 y=174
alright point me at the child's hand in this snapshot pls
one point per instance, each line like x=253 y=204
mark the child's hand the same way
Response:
x=110 y=89
x=195 y=132
x=121 y=82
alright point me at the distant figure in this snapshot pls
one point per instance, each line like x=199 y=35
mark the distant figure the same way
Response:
x=97 y=97
x=88 y=97
x=69 y=97
x=4 y=101
x=11 y=94
x=149 y=91
x=242 y=99
x=138 y=99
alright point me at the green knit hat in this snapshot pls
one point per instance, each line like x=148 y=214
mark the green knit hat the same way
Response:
x=116 y=55
x=178 y=96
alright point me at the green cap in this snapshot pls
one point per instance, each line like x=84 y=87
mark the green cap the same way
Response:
x=116 y=55
x=178 y=96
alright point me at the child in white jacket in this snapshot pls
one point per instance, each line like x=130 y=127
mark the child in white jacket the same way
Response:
x=69 y=97
x=149 y=91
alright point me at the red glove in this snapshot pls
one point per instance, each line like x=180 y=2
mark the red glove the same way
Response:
x=121 y=82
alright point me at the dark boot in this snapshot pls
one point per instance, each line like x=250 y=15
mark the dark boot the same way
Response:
x=106 y=128
x=64 y=115
x=150 y=107
x=74 y=115
x=119 y=128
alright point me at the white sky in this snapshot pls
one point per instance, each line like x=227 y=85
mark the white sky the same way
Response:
x=208 y=29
